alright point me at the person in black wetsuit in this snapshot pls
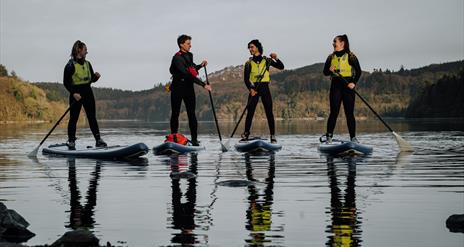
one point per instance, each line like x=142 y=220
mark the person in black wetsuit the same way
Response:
x=184 y=74
x=257 y=79
x=78 y=75
x=342 y=62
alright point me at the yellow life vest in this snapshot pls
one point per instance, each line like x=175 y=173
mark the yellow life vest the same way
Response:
x=261 y=218
x=343 y=235
x=81 y=74
x=342 y=66
x=257 y=70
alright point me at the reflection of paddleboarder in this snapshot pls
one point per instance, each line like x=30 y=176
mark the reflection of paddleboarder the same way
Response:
x=259 y=211
x=345 y=227
x=183 y=213
x=82 y=216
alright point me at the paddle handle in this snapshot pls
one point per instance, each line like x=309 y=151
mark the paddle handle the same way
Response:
x=212 y=106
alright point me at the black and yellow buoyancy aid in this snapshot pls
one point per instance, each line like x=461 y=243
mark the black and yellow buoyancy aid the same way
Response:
x=260 y=218
x=81 y=74
x=341 y=64
x=258 y=70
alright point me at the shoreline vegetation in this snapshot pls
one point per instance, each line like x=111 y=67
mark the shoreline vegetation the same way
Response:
x=435 y=90
x=342 y=118
x=186 y=121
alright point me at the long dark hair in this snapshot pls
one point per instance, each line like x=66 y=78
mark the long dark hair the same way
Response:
x=258 y=45
x=75 y=49
x=344 y=38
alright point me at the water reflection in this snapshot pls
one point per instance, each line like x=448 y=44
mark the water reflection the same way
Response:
x=259 y=212
x=345 y=225
x=82 y=215
x=183 y=205
x=316 y=212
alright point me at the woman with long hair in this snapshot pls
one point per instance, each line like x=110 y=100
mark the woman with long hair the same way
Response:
x=344 y=69
x=78 y=76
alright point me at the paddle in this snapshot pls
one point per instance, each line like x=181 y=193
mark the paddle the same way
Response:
x=403 y=144
x=223 y=148
x=34 y=152
x=241 y=116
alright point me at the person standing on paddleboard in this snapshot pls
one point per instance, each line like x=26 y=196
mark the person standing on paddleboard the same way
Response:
x=184 y=74
x=257 y=79
x=342 y=63
x=77 y=78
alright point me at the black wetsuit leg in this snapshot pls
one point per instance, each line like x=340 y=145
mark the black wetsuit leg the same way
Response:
x=266 y=98
x=88 y=101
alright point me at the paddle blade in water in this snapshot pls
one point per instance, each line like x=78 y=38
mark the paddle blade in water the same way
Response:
x=402 y=143
x=226 y=146
x=223 y=148
x=33 y=153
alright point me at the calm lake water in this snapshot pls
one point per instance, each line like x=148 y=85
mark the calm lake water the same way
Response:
x=295 y=197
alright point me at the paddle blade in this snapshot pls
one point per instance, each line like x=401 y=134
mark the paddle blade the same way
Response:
x=226 y=146
x=403 y=159
x=402 y=143
x=33 y=153
x=223 y=148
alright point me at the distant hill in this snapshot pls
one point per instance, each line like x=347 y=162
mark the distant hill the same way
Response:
x=297 y=93
x=23 y=101
x=445 y=98
x=303 y=92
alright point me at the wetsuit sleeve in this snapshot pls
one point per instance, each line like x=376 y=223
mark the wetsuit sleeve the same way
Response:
x=197 y=67
x=326 y=70
x=277 y=64
x=179 y=65
x=67 y=78
x=246 y=76
x=94 y=78
x=353 y=60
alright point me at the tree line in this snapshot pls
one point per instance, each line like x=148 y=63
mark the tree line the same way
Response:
x=298 y=93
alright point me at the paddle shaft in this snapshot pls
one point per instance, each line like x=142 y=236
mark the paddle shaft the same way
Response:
x=58 y=122
x=373 y=111
x=241 y=116
x=212 y=106
x=367 y=104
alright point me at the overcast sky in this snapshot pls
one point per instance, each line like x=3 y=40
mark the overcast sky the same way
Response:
x=131 y=42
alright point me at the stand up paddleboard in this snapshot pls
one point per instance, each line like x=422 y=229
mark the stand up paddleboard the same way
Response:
x=257 y=145
x=107 y=153
x=344 y=148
